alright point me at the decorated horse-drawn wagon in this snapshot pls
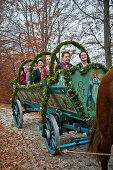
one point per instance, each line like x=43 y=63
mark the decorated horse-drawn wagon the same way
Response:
x=66 y=100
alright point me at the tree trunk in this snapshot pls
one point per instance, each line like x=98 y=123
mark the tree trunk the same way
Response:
x=107 y=35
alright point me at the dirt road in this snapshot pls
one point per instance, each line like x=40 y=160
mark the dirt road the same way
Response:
x=25 y=149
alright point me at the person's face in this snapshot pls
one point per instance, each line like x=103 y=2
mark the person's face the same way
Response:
x=83 y=57
x=66 y=58
x=48 y=59
x=26 y=69
x=40 y=64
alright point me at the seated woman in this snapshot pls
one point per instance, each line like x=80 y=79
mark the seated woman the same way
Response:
x=39 y=73
x=22 y=70
x=83 y=58
x=66 y=57
x=23 y=75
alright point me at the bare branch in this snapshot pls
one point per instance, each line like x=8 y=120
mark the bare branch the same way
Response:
x=94 y=17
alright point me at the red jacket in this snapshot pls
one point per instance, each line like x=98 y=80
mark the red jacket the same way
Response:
x=23 y=79
x=43 y=73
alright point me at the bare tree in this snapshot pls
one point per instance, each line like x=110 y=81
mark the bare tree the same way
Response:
x=96 y=14
x=32 y=26
x=107 y=34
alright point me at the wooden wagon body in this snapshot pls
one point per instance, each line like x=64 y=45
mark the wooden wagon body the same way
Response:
x=68 y=100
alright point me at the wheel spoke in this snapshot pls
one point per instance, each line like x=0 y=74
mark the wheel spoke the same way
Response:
x=53 y=143
x=53 y=137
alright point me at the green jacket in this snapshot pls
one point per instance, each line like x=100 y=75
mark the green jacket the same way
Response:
x=36 y=76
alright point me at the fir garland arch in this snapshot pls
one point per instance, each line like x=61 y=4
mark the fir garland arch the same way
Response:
x=57 y=49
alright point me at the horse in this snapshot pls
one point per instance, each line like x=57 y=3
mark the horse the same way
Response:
x=101 y=138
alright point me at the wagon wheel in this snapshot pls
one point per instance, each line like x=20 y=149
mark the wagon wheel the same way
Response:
x=52 y=135
x=18 y=114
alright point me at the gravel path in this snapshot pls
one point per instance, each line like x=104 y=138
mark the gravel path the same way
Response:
x=25 y=149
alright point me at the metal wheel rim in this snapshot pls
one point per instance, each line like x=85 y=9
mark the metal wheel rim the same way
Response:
x=18 y=114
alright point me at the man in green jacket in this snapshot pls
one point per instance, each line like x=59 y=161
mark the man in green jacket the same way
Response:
x=37 y=72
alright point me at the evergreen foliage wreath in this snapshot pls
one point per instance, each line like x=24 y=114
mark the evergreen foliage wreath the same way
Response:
x=57 y=49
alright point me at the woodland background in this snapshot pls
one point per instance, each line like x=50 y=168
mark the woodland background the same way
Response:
x=28 y=27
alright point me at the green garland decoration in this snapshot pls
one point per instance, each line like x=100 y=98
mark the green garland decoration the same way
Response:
x=44 y=106
x=37 y=86
x=14 y=82
x=13 y=97
x=85 y=69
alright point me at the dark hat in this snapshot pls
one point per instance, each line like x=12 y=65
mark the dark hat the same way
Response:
x=22 y=60
x=40 y=60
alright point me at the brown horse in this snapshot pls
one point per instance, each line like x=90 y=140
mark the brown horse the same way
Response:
x=102 y=131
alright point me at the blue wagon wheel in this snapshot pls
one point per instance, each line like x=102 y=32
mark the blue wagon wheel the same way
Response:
x=18 y=114
x=52 y=135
